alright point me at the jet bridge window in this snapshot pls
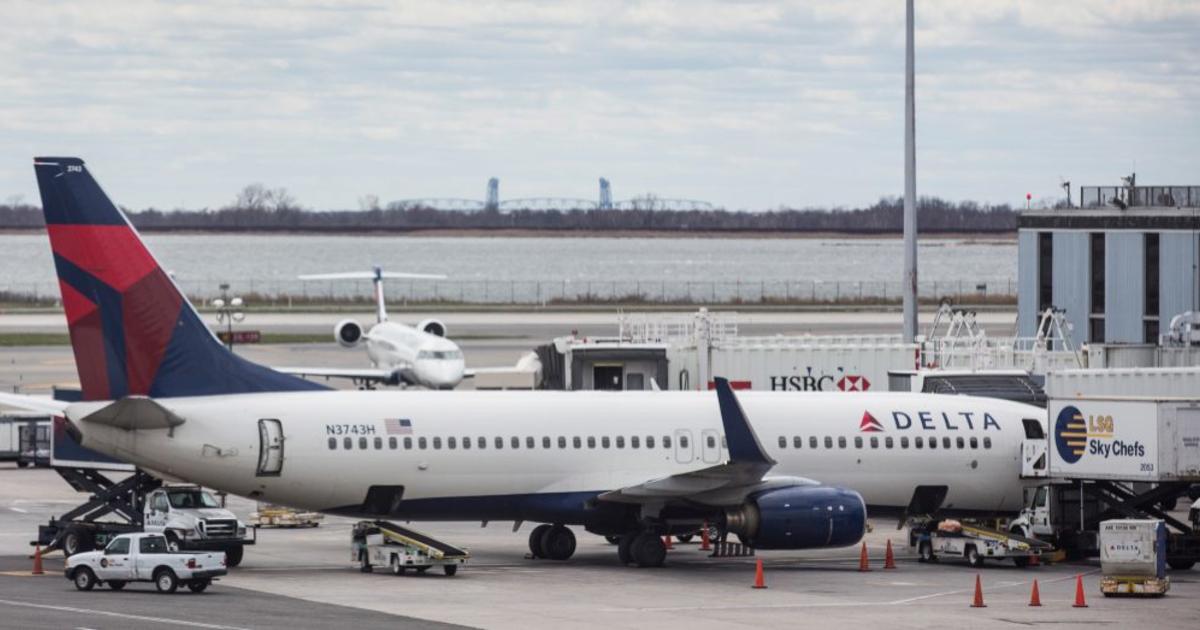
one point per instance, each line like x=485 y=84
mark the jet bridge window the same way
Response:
x=782 y=442
x=333 y=444
x=797 y=442
x=378 y=443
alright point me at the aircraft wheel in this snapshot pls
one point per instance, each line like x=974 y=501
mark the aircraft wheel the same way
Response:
x=535 y=540
x=625 y=549
x=558 y=543
x=648 y=550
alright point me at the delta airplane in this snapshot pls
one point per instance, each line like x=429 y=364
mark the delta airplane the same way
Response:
x=399 y=354
x=780 y=471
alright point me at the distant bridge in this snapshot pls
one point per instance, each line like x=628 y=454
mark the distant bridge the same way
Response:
x=604 y=202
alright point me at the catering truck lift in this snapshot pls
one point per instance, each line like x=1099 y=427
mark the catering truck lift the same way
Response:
x=1122 y=444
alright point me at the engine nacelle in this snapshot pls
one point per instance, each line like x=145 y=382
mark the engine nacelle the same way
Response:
x=348 y=333
x=433 y=327
x=799 y=517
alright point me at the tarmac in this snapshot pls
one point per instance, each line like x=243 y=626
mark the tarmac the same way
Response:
x=304 y=578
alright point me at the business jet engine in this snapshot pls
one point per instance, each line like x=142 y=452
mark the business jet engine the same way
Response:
x=799 y=517
x=348 y=333
x=433 y=327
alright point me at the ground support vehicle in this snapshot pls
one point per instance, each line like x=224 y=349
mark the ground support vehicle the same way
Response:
x=399 y=548
x=1133 y=557
x=144 y=558
x=284 y=517
x=192 y=519
x=974 y=543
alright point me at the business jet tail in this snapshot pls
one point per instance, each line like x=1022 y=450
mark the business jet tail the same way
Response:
x=133 y=332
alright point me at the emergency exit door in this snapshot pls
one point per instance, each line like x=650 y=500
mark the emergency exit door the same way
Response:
x=270 y=448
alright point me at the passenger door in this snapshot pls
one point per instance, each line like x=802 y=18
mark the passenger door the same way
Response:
x=270 y=448
x=116 y=563
x=1034 y=450
x=683 y=446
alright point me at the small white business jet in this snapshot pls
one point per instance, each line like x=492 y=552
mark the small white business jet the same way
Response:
x=780 y=471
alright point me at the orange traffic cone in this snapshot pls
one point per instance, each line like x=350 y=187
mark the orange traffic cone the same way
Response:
x=1080 y=600
x=1035 y=598
x=978 y=602
x=759 y=582
x=667 y=542
x=37 y=561
x=889 y=560
x=704 y=542
x=863 y=563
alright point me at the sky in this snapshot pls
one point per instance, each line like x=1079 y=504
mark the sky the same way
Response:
x=748 y=105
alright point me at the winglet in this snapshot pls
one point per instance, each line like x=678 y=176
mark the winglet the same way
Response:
x=743 y=443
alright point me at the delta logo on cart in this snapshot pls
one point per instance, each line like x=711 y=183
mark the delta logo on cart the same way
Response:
x=1077 y=434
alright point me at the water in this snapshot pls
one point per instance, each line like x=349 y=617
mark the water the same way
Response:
x=534 y=269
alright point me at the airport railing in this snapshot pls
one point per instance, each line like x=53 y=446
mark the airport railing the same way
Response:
x=286 y=292
x=1139 y=196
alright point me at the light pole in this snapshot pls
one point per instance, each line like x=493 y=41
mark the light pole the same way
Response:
x=229 y=310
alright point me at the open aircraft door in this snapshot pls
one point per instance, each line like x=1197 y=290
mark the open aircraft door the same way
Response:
x=270 y=448
x=1034 y=450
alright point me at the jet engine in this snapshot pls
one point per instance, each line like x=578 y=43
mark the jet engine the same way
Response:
x=348 y=333
x=799 y=517
x=433 y=327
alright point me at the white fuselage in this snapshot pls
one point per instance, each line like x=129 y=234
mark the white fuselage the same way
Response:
x=526 y=445
x=429 y=360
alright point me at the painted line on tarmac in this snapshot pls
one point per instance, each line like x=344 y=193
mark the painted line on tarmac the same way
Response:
x=19 y=510
x=90 y=611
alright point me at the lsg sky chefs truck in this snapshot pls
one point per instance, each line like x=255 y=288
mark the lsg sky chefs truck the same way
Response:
x=1121 y=443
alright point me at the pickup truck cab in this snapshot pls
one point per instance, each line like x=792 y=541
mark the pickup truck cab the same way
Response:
x=144 y=558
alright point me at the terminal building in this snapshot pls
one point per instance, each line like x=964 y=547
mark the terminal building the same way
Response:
x=1122 y=265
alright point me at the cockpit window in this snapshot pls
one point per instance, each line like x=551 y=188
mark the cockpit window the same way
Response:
x=443 y=355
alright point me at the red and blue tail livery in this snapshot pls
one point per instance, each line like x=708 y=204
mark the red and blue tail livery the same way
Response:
x=132 y=330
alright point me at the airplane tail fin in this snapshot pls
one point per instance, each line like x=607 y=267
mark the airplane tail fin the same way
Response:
x=132 y=330
x=376 y=276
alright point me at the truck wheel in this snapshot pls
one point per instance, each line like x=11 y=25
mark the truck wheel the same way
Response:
x=422 y=570
x=233 y=555
x=198 y=586
x=1181 y=565
x=973 y=557
x=925 y=552
x=22 y=464
x=450 y=569
x=1021 y=561
x=117 y=585
x=84 y=579
x=165 y=581
x=76 y=540
x=397 y=568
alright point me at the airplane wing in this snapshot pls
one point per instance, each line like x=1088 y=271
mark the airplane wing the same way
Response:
x=40 y=404
x=722 y=484
x=370 y=275
x=364 y=375
x=526 y=364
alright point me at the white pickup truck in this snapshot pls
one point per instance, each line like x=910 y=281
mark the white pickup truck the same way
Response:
x=144 y=558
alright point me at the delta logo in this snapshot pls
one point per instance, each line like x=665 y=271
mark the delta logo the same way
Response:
x=930 y=421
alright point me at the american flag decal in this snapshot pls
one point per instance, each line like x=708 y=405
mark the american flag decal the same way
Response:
x=397 y=426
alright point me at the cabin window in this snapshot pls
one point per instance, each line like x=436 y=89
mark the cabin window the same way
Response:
x=516 y=442
x=841 y=441
x=466 y=443
x=529 y=443
x=347 y=443
x=812 y=442
x=987 y=442
x=499 y=442
x=961 y=443
x=797 y=442
x=919 y=442
x=591 y=441
x=604 y=442
x=408 y=444
x=333 y=444
x=362 y=443
x=782 y=442
x=945 y=442
x=683 y=441
x=974 y=443
x=421 y=443
x=620 y=441
x=888 y=443
x=437 y=443
x=666 y=441
x=874 y=442
x=828 y=442
x=932 y=442
x=378 y=443
x=577 y=442
x=451 y=443
x=635 y=442
x=904 y=441
x=858 y=441
x=392 y=443
x=482 y=442
x=545 y=441
x=562 y=442
x=649 y=441
x=711 y=441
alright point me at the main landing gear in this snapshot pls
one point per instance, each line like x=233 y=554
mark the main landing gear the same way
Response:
x=553 y=542
x=645 y=549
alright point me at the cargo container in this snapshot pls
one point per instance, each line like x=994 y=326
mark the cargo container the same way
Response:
x=1133 y=557
x=1124 y=439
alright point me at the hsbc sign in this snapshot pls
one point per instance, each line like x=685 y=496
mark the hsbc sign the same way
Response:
x=817 y=382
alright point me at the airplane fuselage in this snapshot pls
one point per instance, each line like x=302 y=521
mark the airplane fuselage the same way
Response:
x=429 y=360
x=543 y=456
